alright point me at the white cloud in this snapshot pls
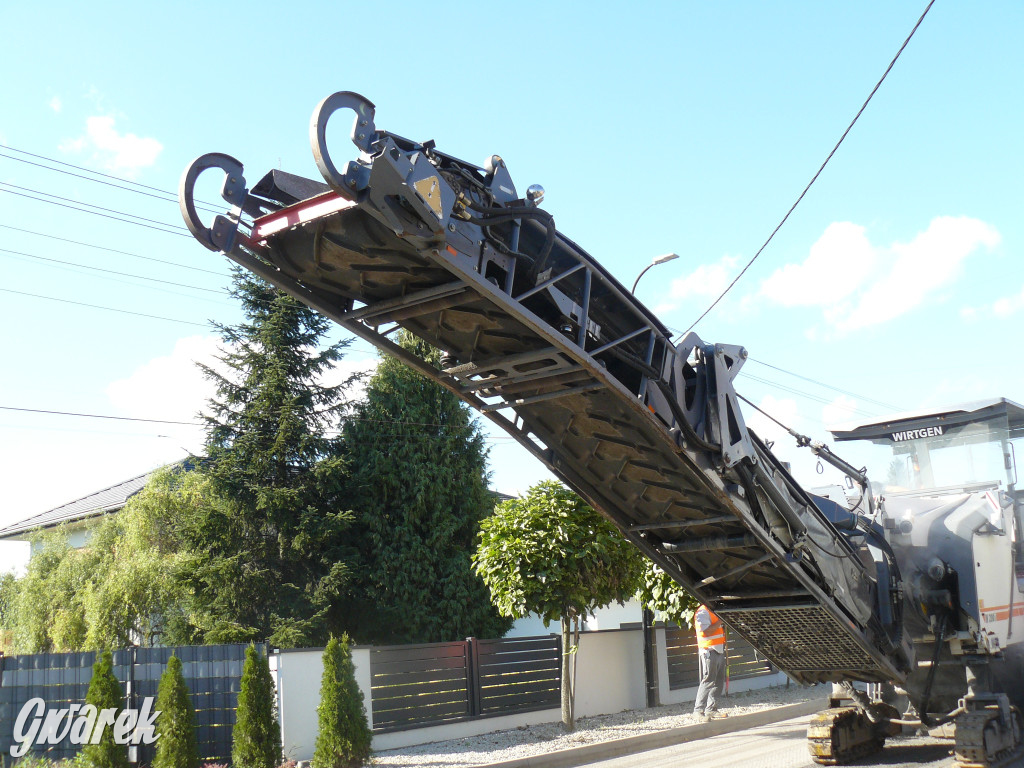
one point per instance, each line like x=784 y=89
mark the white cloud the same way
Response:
x=1009 y=305
x=55 y=104
x=173 y=387
x=858 y=284
x=840 y=411
x=1002 y=308
x=125 y=154
x=706 y=280
x=839 y=263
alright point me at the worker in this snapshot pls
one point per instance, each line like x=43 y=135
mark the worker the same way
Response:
x=711 y=658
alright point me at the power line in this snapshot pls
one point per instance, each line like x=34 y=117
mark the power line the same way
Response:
x=801 y=393
x=89 y=170
x=96 y=213
x=113 y=272
x=847 y=392
x=92 y=205
x=822 y=168
x=170 y=199
x=108 y=309
x=115 y=250
x=202 y=424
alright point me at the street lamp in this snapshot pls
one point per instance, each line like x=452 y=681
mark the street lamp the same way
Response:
x=657 y=260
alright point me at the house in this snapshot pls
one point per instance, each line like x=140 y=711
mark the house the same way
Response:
x=79 y=517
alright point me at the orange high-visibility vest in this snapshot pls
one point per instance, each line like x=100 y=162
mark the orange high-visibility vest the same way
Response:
x=714 y=637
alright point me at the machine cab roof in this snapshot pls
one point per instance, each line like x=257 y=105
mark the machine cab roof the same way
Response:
x=959 y=448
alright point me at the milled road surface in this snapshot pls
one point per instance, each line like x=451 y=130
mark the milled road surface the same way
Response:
x=782 y=745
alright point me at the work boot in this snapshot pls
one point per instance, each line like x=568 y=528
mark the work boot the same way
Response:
x=714 y=714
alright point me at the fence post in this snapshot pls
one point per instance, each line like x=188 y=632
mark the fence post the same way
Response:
x=650 y=659
x=473 y=676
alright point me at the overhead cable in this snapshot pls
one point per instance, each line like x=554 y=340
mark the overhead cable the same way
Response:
x=822 y=168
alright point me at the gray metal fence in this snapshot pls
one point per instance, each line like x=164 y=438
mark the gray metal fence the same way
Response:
x=418 y=685
x=743 y=661
x=213 y=675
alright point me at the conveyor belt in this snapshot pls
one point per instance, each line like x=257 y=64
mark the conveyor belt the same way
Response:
x=543 y=341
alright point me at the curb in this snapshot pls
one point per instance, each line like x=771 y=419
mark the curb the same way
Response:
x=604 y=750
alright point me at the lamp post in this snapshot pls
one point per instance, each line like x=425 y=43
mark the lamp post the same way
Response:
x=657 y=260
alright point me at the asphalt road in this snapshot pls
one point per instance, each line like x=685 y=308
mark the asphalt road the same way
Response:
x=781 y=745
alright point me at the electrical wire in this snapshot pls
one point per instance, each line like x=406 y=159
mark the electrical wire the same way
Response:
x=202 y=424
x=174 y=195
x=92 y=205
x=97 y=213
x=115 y=250
x=827 y=386
x=112 y=271
x=108 y=309
x=822 y=168
x=171 y=199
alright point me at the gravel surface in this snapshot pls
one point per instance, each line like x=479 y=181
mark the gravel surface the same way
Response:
x=549 y=737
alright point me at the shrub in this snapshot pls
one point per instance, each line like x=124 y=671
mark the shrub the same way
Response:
x=105 y=693
x=256 y=740
x=343 y=735
x=175 y=726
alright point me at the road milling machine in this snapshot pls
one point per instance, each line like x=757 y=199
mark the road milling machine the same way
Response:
x=913 y=583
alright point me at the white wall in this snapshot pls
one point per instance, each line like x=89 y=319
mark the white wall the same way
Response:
x=298 y=677
x=609 y=617
x=609 y=678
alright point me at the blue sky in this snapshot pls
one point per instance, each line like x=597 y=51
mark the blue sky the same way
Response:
x=654 y=127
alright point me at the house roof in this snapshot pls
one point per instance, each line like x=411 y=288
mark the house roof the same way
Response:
x=108 y=500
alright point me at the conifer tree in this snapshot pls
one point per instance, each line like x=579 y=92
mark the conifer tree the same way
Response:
x=175 y=726
x=419 y=488
x=105 y=693
x=343 y=735
x=256 y=738
x=274 y=558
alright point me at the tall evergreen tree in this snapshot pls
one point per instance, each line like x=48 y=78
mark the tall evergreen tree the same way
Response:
x=274 y=558
x=176 y=724
x=105 y=693
x=256 y=737
x=419 y=488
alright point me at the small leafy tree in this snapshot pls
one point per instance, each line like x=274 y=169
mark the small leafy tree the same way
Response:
x=659 y=593
x=343 y=735
x=256 y=739
x=175 y=726
x=552 y=554
x=105 y=693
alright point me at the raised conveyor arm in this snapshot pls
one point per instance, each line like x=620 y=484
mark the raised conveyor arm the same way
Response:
x=543 y=341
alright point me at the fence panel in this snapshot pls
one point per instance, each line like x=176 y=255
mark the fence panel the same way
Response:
x=519 y=675
x=416 y=685
x=683 y=668
x=213 y=675
x=419 y=685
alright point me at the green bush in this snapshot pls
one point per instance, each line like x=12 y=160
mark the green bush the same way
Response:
x=256 y=740
x=175 y=726
x=105 y=693
x=343 y=735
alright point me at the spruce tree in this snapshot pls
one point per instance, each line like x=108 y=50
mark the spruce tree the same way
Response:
x=419 y=487
x=343 y=734
x=105 y=693
x=273 y=560
x=175 y=726
x=256 y=738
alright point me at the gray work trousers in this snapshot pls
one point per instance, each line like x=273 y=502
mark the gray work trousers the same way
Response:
x=712 y=680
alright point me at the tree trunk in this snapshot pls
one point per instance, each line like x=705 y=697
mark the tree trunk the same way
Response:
x=568 y=722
